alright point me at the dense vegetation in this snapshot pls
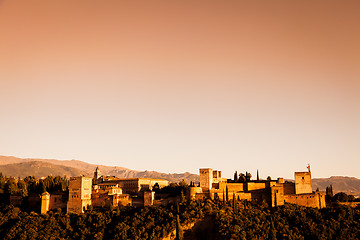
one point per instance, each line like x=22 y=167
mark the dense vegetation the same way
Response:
x=30 y=184
x=105 y=223
x=245 y=221
x=288 y=222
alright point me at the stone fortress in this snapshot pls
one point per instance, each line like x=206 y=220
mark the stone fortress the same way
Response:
x=102 y=191
x=274 y=192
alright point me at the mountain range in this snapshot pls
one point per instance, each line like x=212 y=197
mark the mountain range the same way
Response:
x=22 y=167
x=19 y=167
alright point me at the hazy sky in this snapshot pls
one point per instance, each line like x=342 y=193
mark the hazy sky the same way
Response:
x=174 y=86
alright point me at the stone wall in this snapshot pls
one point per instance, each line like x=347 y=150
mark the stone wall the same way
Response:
x=251 y=186
x=289 y=188
x=316 y=200
x=277 y=196
x=232 y=187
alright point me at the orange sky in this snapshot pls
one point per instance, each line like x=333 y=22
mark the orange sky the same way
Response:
x=178 y=85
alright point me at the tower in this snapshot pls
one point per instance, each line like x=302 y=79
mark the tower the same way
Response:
x=45 y=202
x=79 y=194
x=97 y=175
x=303 y=182
x=206 y=178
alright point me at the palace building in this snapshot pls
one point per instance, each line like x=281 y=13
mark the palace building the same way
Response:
x=274 y=192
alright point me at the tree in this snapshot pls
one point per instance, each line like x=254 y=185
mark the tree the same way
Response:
x=257 y=175
x=268 y=178
x=224 y=198
x=248 y=177
x=156 y=187
x=22 y=186
x=182 y=197
x=234 y=203
x=242 y=178
x=272 y=233
x=235 y=176
x=227 y=194
x=179 y=231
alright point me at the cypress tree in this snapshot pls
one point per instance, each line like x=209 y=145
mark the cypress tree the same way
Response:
x=223 y=197
x=179 y=231
x=177 y=209
x=257 y=175
x=234 y=203
x=235 y=176
x=272 y=233
x=182 y=197
x=227 y=194
x=331 y=191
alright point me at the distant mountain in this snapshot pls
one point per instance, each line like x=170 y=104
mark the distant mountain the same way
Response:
x=349 y=185
x=18 y=167
x=38 y=169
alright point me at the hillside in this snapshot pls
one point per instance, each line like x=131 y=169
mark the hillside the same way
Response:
x=38 y=169
x=349 y=185
x=18 y=167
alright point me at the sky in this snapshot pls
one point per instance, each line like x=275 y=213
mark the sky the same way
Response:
x=174 y=86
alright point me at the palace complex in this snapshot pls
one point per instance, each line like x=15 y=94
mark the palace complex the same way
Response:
x=274 y=192
x=112 y=191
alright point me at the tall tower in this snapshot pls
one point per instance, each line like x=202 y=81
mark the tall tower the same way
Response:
x=79 y=194
x=303 y=182
x=97 y=175
x=206 y=178
x=45 y=202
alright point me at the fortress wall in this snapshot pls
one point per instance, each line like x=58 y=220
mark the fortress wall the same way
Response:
x=243 y=196
x=251 y=186
x=316 y=200
x=57 y=201
x=232 y=187
x=277 y=196
x=192 y=191
x=260 y=195
x=238 y=195
x=289 y=188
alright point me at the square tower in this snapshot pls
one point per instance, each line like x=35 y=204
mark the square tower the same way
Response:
x=79 y=194
x=206 y=178
x=303 y=182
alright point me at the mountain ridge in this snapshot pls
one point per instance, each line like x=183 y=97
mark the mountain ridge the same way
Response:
x=22 y=167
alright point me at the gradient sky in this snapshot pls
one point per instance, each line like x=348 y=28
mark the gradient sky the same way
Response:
x=175 y=86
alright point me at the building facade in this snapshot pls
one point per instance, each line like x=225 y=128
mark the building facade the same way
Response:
x=80 y=189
